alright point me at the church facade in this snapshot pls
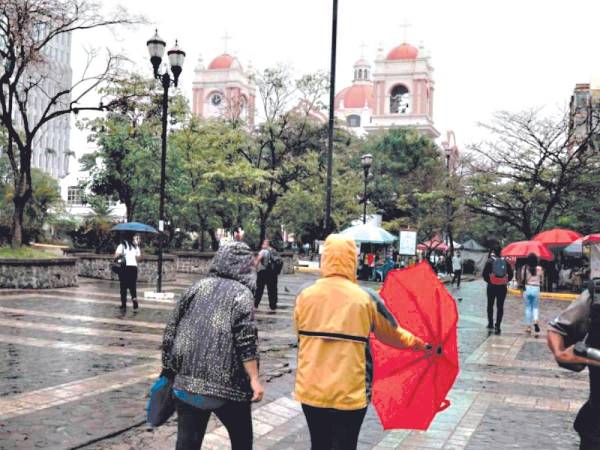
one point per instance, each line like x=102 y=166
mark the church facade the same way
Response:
x=397 y=92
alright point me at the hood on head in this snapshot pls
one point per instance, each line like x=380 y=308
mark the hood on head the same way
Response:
x=339 y=257
x=234 y=260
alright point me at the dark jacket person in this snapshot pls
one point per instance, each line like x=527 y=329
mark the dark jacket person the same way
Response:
x=210 y=347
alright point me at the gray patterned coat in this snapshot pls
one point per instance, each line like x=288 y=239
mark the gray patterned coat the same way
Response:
x=211 y=331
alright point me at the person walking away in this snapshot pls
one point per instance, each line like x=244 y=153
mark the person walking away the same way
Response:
x=497 y=273
x=267 y=275
x=130 y=250
x=210 y=351
x=532 y=278
x=334 y=318
x=456 y=269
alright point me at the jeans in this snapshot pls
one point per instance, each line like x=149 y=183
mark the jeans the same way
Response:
x=532 y=304
x=496 y=294
x=268 y=278
x=128 y=280
x=333 y=429
x=191 y=425
x=456 y=277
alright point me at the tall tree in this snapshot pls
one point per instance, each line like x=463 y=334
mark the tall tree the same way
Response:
x=291 y=132
x=526 y=168
x=27 y=28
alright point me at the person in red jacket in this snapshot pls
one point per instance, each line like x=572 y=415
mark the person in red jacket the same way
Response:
x=497 y=273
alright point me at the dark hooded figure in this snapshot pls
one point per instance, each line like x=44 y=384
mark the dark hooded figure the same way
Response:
x=210 y=349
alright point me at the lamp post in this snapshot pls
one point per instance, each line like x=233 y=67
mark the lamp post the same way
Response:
x=327 y=224
x=156 y=49
x=366 y=161
x=448 y=153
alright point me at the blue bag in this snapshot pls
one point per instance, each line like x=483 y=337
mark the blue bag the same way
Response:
x=161 y=404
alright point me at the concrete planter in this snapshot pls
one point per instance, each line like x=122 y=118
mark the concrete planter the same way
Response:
x=38 y=273
x=199 y=262
x=93 y=265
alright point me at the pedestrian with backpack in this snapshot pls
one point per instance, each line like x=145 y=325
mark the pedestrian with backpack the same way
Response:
x=268 y=267
x=497 y=273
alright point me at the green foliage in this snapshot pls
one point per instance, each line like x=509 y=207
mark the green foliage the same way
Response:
x=25 y=253
x=94 y=233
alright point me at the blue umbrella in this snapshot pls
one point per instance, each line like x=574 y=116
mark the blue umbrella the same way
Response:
x=575 y=248
x=135 y=227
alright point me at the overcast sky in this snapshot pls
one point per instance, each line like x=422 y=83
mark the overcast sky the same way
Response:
x=487 y=55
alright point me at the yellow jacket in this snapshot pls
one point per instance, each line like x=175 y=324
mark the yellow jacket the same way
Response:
x=333 y=318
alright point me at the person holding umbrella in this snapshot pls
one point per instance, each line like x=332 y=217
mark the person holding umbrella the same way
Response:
x=128 y=251
x=334 y=318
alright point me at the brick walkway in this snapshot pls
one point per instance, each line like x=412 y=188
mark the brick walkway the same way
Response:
x=75 y=373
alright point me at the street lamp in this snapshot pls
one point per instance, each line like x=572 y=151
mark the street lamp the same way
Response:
x=156 y=49
x=366 y=161
x=448 y=153
x=329 y=188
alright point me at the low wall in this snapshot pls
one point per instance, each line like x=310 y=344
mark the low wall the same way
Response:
x=38 y=273
x=199 y=262
x=93 y=265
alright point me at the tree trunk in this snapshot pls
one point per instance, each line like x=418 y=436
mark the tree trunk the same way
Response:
x=214 y=240
x=202 y=243
x=22 y=195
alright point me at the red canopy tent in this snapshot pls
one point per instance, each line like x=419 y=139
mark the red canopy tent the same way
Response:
x=557 y=237
x=433 y=244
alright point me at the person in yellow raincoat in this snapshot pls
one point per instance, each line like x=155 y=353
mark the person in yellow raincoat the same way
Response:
x=333 y=318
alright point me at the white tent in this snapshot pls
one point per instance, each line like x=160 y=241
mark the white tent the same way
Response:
x=475 y=252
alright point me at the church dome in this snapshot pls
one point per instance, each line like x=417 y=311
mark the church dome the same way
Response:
x=223 y=62
x=356 y=96
x=404 y=51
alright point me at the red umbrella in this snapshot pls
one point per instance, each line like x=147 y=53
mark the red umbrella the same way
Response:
x=433 y=244
x=410 y=388
x=522 y=249
x=557 y=237
x=591 y=239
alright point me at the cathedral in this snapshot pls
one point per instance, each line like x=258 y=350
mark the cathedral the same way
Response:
x=397 y=91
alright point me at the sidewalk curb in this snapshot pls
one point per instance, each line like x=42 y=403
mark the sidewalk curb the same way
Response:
x=547 y=295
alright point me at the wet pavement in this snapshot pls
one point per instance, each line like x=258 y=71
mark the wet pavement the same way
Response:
x=75 y=373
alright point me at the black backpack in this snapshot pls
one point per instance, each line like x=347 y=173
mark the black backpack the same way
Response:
x=275 y=263
x=499 y=268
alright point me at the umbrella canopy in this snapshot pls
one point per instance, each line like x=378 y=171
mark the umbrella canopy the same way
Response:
x=410 y=388
x=591 y=239
x=135 y=227
x=522 y=249
x=369 y=234
x=557 y=237
x=575 y=248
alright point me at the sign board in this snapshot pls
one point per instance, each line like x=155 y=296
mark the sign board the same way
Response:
x=595 y=261
x=407 y=244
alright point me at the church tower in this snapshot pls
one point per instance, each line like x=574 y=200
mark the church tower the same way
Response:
x=354 y=104
x=403 y=89
x=223 y=89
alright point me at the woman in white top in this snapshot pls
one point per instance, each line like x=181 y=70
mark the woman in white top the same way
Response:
x=532 y=277
x=129 y=249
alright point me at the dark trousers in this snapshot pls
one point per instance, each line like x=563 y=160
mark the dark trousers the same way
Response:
x=333 y=429
x=128 y=280
x=191 y=425
x=496 y=294
x=456 y=278
x=269 y=279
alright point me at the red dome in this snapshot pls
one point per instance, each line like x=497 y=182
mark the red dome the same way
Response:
x=404 y=51
x=356 y=96
x=225 y=61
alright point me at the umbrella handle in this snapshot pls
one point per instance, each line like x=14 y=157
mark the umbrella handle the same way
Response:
x=444 y=405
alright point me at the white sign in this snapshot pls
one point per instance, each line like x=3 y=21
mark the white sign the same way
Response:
x=595 y=261
x=407 y=243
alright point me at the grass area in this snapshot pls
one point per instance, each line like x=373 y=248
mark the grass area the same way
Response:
x=25 y=253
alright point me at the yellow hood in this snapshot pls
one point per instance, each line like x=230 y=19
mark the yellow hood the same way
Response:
x=339 y=257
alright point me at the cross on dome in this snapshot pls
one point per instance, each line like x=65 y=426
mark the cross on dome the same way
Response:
x=405 y=26
x=225 y=38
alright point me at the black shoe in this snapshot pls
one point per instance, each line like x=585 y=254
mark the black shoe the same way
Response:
x=497 y=329
x=123 y=308
x=135 y=304
x=490 y=326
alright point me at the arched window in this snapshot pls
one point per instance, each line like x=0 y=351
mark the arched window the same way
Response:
x=400 y=100
x=353 y=120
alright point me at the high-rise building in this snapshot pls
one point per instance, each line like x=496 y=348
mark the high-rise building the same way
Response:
x=51 y=147
x=584 y=115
